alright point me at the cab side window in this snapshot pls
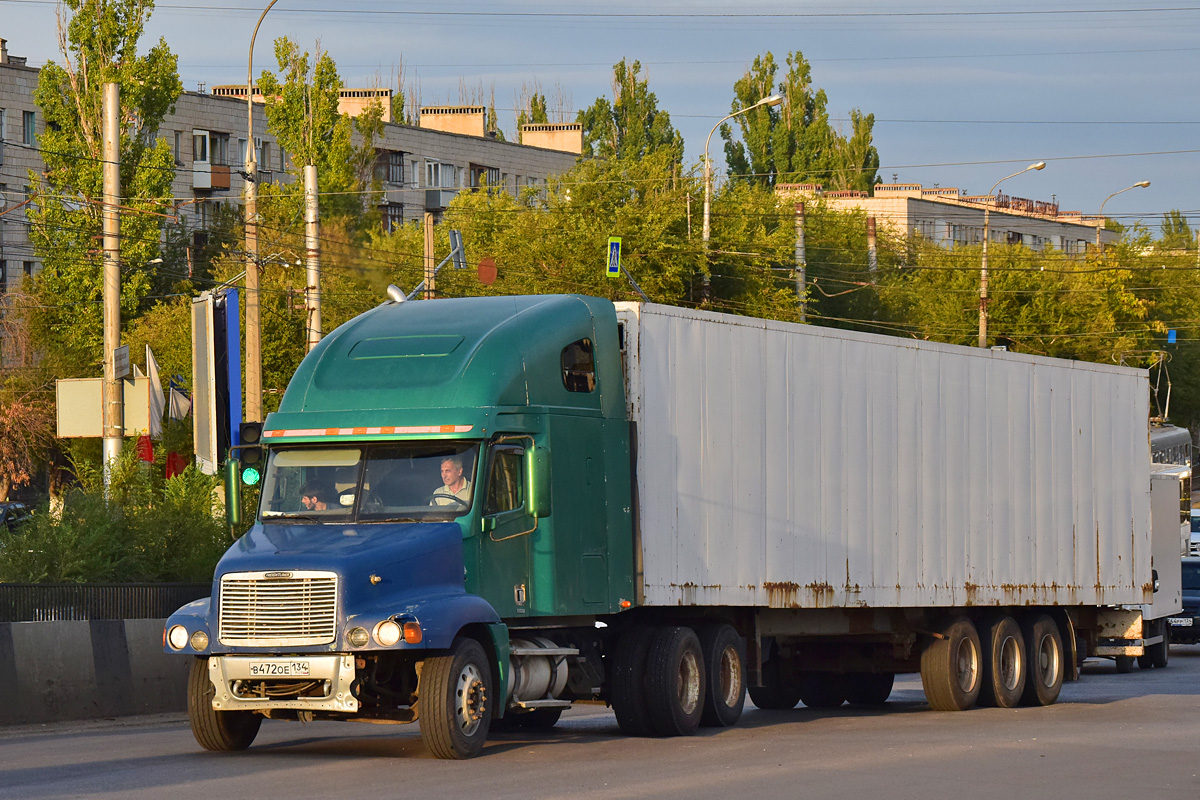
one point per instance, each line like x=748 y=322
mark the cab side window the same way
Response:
x=579 y=366
x=504 y=487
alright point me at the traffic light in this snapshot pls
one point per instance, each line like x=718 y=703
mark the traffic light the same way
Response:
x=250 y=452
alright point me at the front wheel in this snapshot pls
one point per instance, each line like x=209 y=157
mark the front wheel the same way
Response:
x=452 y=697
x=222 y=731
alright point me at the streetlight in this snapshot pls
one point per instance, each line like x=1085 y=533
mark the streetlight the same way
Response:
x=1138 y=185
x=983 y=270
x=773 y=100
x=253 y=326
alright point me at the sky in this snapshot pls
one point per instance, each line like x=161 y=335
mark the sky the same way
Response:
x=963 y=93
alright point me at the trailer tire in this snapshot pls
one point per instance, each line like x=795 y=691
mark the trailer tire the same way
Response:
x=452 y=697
x=1044 y=650
x=725 y=669
x=627 y=681
x=821 y=689
x=1160 y=653
x=1004 y=665
x=675 y=682
x=1144 y=661
x=221 y=731
x=1124 y=664
x=869 y=688
x=951 y=667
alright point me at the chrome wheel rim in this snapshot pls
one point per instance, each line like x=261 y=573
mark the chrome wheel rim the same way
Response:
x=966 y=664
x=470 y=699
x=688 y=682
x=1010 y=663
x=730 y=676
x=1047 y=661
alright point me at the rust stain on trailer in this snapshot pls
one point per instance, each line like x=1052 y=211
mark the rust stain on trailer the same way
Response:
x=782 y=595
x=972 y=591
x=687 y=594
x=822 y=594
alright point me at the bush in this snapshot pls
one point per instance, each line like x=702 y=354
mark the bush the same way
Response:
x=149 y=530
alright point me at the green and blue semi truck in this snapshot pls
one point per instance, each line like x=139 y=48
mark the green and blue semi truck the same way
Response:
x=476 y=512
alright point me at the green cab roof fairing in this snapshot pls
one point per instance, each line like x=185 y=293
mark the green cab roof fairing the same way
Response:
x=447 y=367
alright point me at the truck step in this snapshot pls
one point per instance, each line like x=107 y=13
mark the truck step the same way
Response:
x=531 y=704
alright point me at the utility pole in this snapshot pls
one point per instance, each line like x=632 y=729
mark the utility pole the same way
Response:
x=801 y=263
x=253 y=317
x=312 y=293
x=113 y=393
x=430 y=260
x=872 y=250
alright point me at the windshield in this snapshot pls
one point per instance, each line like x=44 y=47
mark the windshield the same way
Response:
x=410 y=481
x=1191 y=576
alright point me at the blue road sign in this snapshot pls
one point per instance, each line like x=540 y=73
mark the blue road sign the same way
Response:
x=614 y=257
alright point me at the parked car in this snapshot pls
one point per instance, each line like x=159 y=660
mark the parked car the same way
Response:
x=1194 y=543
x=13 y=514
x=1185 y=628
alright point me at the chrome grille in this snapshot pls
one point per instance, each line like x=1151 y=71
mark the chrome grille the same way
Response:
x=289 y=608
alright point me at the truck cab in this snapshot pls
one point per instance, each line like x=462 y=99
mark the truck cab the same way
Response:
x=411 y=521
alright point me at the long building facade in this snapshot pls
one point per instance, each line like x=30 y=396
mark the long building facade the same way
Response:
x=419 y=169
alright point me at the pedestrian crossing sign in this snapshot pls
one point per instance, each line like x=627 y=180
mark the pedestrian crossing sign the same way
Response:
x=614 y=257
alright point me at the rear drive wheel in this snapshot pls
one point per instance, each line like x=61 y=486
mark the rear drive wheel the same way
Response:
x=675 y=682
x=951 y=667
x=216 y=730
x=1004 y=664
x=452 y=699
x=1044 y=653
x=627 y=682
x=869 y=688
x=725 y=671
x=821 y=689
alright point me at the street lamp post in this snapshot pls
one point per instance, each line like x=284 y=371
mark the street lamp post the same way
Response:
x=773 y=100
x=253 y=320
x=1138 y=185
x=983 y=270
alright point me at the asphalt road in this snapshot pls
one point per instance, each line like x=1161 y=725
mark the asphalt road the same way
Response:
x=1110 y=736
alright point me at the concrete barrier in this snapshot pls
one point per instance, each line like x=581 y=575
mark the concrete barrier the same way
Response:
x=53 y=671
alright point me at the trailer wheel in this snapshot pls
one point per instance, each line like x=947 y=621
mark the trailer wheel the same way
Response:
x=869 y=688
x=1004 y=665
x=1124 y=664
x=675 y=682
x=1159 y=653
x=725 y=668
x=774 y=694
x=951 y=667
x=821 y=689
x=222 y=731
x=627 y=688
x=452 y=695
x=1044 y=650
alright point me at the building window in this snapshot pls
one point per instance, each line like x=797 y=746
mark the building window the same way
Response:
x=440 y=176
x=241 y=151
x=29 y=265
x=200 y=147
x=177 y=149
x=219 y=148
x=2 y=127
x=485 y=176
x=264 y=154
x=282 y=160
x=3 y=275
x=395 y=172
x=393 y=216
x=27 y=129
x=579 y=367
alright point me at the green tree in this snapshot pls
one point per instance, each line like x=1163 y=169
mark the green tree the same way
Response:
x=796 y=142
x=631 y=124
x=532 y=109
x=1176 y=233
x=99 y=45
x=302 y=112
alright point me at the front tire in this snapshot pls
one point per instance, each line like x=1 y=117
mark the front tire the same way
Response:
x=221 y=731
x=452 y=695
x=725 y=668
x=951 y=667
x=675 y=682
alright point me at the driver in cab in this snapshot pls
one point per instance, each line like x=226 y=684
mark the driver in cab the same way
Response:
x=456 y=490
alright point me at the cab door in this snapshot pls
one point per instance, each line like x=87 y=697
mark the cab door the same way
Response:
x=504 y=542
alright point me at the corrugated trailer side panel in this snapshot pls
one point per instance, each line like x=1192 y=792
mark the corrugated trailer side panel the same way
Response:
x=795 y=466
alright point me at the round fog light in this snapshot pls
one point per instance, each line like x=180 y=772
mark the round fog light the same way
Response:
x=178 y=637
x=358 y=637
x=199 y=640
x=387 y=633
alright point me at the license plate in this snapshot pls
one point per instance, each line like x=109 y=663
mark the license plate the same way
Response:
x=279 y=669
x=1180 y=622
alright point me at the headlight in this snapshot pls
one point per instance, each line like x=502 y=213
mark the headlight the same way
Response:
x=199 y=640
x=178 y=637
x=358 y=637
x=387 y=633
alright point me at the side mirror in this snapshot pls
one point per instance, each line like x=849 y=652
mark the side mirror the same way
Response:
x=537 y=481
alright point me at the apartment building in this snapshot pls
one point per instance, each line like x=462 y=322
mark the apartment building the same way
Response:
x=419 y=168
x=948 y=217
